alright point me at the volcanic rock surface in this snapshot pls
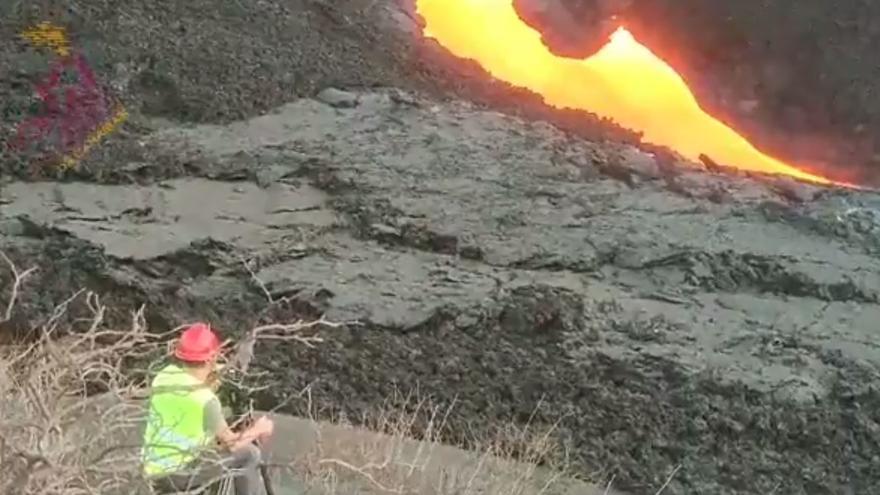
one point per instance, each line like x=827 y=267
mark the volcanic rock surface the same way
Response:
x=722 y=323
x=797 y=77
x=665 y=314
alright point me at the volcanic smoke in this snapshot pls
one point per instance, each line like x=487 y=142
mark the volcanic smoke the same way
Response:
x=623 y=81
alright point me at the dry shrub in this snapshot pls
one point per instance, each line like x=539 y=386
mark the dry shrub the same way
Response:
x=67 y=412
x=72 y=396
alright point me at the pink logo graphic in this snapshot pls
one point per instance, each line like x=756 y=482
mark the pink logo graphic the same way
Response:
x=76 y=115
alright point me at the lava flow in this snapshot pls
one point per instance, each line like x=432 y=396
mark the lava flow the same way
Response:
x=623 y=81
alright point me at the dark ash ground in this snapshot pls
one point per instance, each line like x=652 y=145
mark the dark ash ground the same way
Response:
x=668 y=316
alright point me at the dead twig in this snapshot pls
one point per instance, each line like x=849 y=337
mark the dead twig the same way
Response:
x=257 y=280
x=19 y=278
x=243 y=354
x=608 y=486
x=669 y=479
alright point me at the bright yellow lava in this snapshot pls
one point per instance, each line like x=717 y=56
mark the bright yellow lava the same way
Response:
x=624 y=81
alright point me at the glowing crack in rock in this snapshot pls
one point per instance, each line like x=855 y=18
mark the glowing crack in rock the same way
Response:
x=624 y=81
x=77 y=117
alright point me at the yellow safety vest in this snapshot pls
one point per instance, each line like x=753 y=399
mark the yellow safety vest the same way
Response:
x=175 y=433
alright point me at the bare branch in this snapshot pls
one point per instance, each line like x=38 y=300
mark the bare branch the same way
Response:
x=243 y=354
x=608 y=487
x=19 y=278
x=669 y=479
x=257 y=280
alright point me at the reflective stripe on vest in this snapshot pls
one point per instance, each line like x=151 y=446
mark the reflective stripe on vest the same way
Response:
x=175 y=432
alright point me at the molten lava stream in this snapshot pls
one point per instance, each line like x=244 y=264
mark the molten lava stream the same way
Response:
x=623 y=81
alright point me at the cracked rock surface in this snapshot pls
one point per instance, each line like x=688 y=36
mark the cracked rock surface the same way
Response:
x=665 y=317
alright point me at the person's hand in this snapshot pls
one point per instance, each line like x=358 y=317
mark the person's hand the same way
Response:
x=264 y=427
x=213 y=380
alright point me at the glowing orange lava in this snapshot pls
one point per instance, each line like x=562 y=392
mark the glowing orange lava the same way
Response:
x=623 y=81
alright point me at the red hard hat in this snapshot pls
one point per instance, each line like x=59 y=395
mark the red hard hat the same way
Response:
x=198 y=343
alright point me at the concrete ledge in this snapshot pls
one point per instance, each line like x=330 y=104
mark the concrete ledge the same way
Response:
x=320 y=458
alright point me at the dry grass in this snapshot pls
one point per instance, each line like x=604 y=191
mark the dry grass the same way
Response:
x=71 y=410
x=383 y=458
x=48 y=385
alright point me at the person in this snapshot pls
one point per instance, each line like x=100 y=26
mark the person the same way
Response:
x=187 y=441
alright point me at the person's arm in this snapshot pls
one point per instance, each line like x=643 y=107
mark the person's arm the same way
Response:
x=216 y=424
x=236 y=440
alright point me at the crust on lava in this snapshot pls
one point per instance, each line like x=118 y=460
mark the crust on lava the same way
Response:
x=797 y=78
